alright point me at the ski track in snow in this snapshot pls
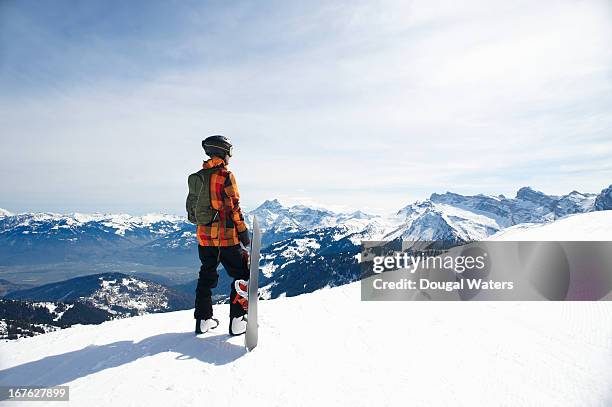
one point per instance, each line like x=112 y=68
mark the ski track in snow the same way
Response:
x=329 y=348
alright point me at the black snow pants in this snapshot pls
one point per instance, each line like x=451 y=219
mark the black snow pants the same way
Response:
x=234 y=263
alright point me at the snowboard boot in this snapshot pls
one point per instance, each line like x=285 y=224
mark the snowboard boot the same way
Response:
x=238 y=325
x=204 y=325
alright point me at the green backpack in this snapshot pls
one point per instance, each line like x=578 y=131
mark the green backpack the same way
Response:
x=199 y=206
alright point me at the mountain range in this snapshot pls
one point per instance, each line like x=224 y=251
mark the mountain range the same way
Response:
x=59 y=237
x=305 y=248
x=324 y=348
x=168 y=242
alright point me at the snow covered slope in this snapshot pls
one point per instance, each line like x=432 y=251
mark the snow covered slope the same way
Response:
x=586 y=227
x=329 y=348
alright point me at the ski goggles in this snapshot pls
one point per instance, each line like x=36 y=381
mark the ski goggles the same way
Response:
x=229 y=150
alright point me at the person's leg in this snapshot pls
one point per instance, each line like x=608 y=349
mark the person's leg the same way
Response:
x=236 y=266
x=207 y=280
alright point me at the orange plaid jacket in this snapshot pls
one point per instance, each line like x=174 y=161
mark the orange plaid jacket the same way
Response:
x=224 y=197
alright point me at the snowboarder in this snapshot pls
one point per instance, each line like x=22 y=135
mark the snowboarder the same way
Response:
x=213 y=204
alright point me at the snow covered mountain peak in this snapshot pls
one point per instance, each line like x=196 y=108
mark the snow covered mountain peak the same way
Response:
x=119 y=224
x=269 y=205
x=474 y=217
x=4 y=213
x=603 y=202
x=278 y=219
x=530 y=194
x=164 y=239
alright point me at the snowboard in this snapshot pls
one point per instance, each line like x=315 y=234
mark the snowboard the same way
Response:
x=250 y=338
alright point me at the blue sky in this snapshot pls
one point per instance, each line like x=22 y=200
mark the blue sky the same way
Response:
x=367 y=105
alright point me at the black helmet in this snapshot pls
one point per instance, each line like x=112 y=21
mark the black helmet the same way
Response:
x=217 y=146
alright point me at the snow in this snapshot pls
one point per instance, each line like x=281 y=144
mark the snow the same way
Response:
x=52 y=307
x=268 y=269
x=307 y=243
x=49 y=305
x=129 y=293
x=286 y=264
x=330 y=348
x=425 y=220
x=274 y=216
x=264 y=292
x=297 y=248
x=471 y=215
x=61 y=314
x=412 y=353
x=595 y=226
x=120 y=223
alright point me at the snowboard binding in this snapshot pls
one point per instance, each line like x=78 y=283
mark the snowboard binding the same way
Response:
x=242 y=294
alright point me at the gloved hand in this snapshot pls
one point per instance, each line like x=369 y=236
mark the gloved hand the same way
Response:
x=244 y=237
